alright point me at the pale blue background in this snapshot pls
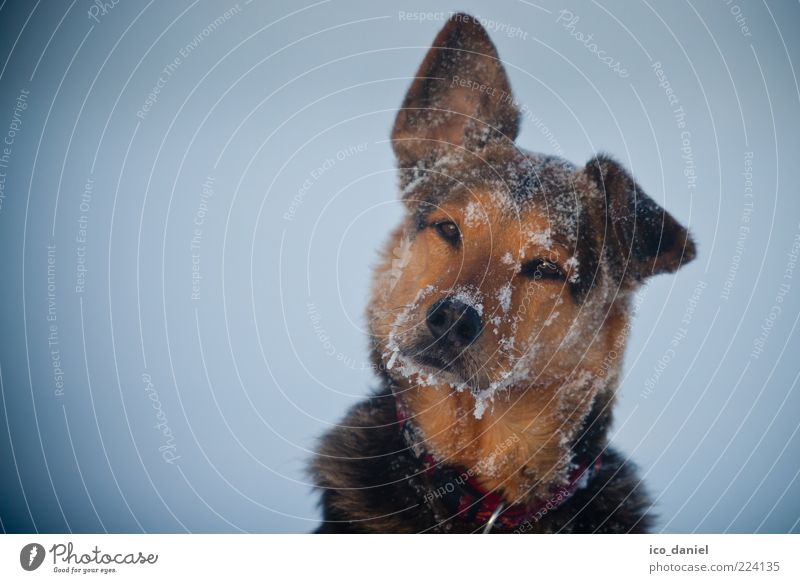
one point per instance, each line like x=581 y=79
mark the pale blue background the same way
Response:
x=246 y=378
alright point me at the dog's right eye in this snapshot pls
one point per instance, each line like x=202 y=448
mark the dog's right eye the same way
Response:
x=448 y=231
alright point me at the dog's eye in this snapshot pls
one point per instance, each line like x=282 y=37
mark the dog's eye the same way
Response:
x=448 y=230
x=542 y=269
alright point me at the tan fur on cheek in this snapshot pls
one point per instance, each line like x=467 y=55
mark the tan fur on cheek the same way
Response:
x=401 y=279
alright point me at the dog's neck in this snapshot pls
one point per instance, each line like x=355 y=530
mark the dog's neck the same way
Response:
x=512 y=448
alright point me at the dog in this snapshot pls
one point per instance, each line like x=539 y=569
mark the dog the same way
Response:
x=499 y=314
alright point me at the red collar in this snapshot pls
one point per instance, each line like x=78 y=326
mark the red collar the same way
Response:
x=459 y=490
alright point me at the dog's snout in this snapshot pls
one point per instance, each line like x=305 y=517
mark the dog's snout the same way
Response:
x=452 y=319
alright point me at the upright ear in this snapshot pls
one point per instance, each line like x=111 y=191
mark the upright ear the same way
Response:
x=644 y=238
x=460 y=97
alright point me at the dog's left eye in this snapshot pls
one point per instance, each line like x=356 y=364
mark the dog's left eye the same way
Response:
x=449 y=231
x=542 y=269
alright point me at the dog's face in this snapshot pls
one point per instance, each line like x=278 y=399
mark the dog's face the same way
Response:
x=510 y=268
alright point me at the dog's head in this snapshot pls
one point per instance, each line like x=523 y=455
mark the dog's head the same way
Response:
x=510 y=268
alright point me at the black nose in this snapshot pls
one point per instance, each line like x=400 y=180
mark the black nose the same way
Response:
x=454 y=320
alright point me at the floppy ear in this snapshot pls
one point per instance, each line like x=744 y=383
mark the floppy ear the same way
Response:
x=460 y=97
x=645 y=239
